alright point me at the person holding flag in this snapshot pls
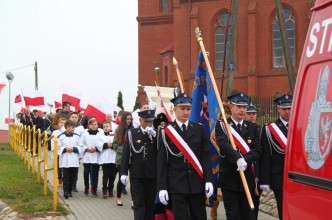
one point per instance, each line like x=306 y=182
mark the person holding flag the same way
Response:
x=184 y=171
x=246 y=138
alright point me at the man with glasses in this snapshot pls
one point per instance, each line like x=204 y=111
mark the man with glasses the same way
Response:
x=141 y=149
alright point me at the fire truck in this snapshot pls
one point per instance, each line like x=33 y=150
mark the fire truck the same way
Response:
x=308 y=162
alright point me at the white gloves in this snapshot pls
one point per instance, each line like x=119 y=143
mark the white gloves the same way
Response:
x=241 y=164
x=265 y=188
x=124 y=179
x=208 y=189
x=150 y=131
x=163 y=197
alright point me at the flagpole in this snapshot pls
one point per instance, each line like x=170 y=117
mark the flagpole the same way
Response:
x=243 y=178
x=175 y=62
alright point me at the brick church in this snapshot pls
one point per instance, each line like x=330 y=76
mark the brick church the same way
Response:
x=166 y=28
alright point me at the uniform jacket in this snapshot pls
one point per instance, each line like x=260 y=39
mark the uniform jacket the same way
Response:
x=176 y=174
x=68 y=159
x=272 y=162
x=143 y=164
x=229 y=178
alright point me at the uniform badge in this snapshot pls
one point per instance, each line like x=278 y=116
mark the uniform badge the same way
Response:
x=245 y=125
x=138 y=141
x=249 y=141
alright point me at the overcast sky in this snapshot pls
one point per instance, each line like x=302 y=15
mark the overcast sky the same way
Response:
x=89 y=45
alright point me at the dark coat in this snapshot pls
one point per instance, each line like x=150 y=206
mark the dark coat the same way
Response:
x=140 y=165
x=272 y=162
x=176 y=174
x=229 y=178
x=38 y=122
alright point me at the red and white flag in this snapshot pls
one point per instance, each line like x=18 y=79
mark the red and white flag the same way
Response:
x=18 y=99
x=99 y=107
x=57 y=103
x=162 y=106
x=11 y=120
x=2 y=85
x=32 y=97
x=72 y=96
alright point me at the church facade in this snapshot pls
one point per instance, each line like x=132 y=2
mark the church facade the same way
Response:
x=166 y=29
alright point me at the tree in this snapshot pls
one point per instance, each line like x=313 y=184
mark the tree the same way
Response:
x=232 y=49
x=120 y=101
x=137 y=104
x=285 y=45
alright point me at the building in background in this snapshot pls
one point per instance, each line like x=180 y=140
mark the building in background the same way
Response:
x=166 y=28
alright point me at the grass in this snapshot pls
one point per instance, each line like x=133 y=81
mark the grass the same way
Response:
x=19 y=187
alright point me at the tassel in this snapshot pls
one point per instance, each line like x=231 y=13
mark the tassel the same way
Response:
x=219 y=195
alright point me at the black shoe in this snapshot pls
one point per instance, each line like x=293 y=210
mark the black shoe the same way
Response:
x=70 y=195
x=66 y=195
x=86 y=192
x=95 y=195
x=75 y=190
x=124 y=191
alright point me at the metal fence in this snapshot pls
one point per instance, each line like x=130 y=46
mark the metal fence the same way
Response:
x=266 y=109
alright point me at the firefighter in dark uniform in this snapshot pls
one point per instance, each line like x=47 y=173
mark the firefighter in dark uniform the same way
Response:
x=178 y=180
x=140 y=157
x=273 y=158
x=235 y=200
x=251 y=115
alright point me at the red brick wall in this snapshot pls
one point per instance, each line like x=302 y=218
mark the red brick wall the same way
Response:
x=254 y=73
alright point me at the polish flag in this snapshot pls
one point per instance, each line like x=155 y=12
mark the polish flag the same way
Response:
x=57 y=103
x=162 y=106
x=99 y=107
x=18 y=99
x=72 y=96
x=32 y=97
x=2 y=85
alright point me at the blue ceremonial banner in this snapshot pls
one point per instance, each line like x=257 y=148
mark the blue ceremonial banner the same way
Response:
x=205 y=110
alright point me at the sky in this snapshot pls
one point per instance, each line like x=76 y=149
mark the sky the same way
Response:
x=86 y=45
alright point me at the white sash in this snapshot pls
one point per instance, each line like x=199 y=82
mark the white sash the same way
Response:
x=278 y=135
x=184 y=148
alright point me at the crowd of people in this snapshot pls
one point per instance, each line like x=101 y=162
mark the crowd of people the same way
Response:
x=168 y=164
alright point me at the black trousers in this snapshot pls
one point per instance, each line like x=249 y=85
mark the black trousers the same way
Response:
x=236 y=205
x=109 y=174
x=91 y=169
x=278 y=195
x=255 y=200
x=60 y=171
x=143 y=192
x=68 y=178
x=119 y=185
x=189 y=206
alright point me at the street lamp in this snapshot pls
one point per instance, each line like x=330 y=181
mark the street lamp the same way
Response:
x=50 y=106
x=10 y=78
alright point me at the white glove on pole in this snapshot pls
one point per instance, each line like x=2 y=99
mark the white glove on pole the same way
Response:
x=241 y=164
x=124 y=179
x=208 y=189
x=265 y=188
x=150 y=131
x=163 y=197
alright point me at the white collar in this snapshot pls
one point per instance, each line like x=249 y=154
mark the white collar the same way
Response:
x=236 y=123
x=180 y=123
x=283 y=121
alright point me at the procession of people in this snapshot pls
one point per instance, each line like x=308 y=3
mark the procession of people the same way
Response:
x=168 y=163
